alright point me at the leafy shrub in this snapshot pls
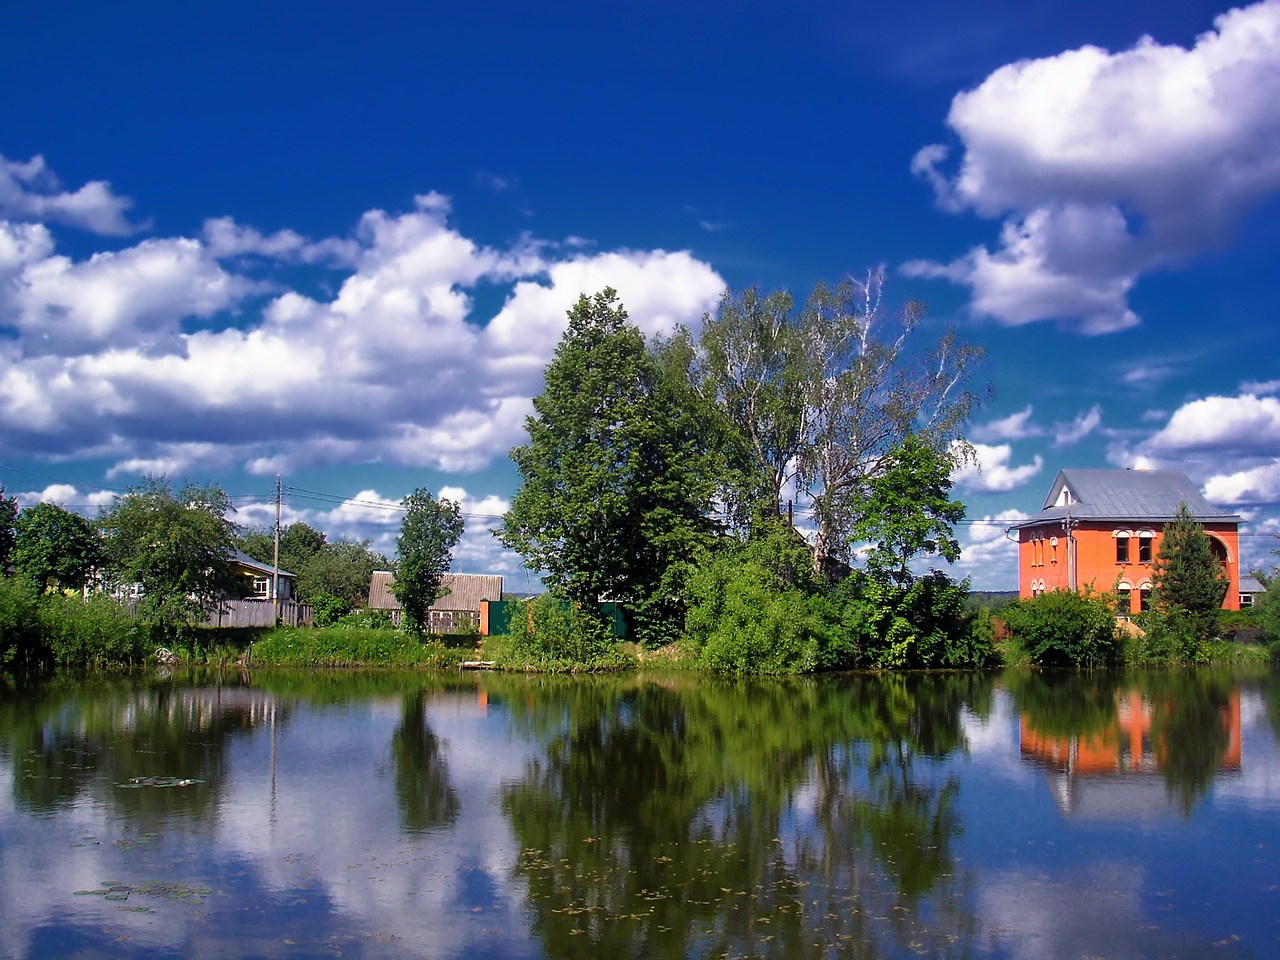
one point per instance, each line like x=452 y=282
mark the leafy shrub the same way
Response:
x=758 y=609
x=557 y=636
x=21 y=644
x=921 y=624
x=1063 y=628
x=93 y=632
x=326 y=609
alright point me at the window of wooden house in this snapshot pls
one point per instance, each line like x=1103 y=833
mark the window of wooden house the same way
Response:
x=262 y=588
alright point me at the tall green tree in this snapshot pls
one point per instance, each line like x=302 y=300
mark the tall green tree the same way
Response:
x=616 y=480
x=299 y=545
x=342 y=569
x=1188 y=584
x=56 y=548
x=907 y=510
x=430 y=530
x=8 y=534
x=178 y=546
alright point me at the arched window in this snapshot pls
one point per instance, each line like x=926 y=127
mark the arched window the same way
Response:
x=1146 y=538
x=1144 y=597
x=1124 y=598
x=1122 y=545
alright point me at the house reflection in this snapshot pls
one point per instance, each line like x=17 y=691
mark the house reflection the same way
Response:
x=1151 y=760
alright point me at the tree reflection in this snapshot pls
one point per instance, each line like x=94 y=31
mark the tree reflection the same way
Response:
x=117 y=741
x=426 y=796
x=692 y=817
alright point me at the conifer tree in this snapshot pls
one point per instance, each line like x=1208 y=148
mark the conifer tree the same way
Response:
x=1189 y=583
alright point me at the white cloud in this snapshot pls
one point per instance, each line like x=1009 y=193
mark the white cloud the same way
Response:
x=136 y=352
x=225 y=238
x=991 y=471
x=30 y=191
x=987 y=556
x=68 y=496
x=1246 y=425
x=1016 y=426
x=1109 y=165
x=1256 y=485
x=1066 y=434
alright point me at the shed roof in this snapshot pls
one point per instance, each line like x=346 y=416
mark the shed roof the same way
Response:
x=1149 y=495
x=464 y=591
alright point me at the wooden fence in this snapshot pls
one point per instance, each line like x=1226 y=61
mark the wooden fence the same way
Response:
x=259 y=613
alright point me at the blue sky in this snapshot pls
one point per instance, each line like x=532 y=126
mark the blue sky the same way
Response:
x=336 y=242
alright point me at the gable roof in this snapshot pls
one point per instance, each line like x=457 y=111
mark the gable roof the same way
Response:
x=243 y=559
x=1150 y=495
x=465 y=591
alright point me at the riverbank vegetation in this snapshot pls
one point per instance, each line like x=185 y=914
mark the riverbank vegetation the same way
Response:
x=769 y=495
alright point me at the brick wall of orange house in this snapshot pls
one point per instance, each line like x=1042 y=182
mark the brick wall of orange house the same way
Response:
x=1041 y=559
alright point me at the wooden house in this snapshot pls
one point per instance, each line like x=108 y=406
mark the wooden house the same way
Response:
x=457 y=611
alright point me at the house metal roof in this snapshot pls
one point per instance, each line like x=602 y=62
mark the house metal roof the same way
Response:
x=244 y=560
x=1142 y=495
x=465 y=591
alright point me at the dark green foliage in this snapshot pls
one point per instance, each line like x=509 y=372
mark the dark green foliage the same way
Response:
x=57 y=549
x=907 y=511
x=178 y=546
x=21 y=644
x=756 y=608
x=1063 y=628
x=616 y=480
x=299 y=545
x=1189 y=584
x=8 y=519
x=326 y=609
x=94 y=632
x=430 y=530
x=924 y=623
x=343 y=568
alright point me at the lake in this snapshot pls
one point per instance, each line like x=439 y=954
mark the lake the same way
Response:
x=408 y=815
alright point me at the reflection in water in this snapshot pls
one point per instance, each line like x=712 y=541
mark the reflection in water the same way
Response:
x=1107 y=737
x=405 y=815
x=709 y=819
x=427 y=800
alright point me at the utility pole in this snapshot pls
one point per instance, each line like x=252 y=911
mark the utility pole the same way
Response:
x=1068 y=525
x=275 y=562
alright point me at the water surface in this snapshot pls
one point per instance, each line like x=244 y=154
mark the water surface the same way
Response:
x=401 y=815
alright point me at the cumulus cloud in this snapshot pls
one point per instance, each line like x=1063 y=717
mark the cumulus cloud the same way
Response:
x=168 y=356
x=1016 y=426
x=1245 y=425
x=990 y=470
x=1106 y=166
x=987 y=556
x=30 y=191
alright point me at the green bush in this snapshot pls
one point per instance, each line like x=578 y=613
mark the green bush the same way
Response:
x=922 y=624
x=757 y=609
x=326 y=609
x=1063 y=628
x=93 y=632
x=22 y=647
x=557 y=637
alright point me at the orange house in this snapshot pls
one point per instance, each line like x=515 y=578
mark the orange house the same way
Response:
x=1102 y=529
